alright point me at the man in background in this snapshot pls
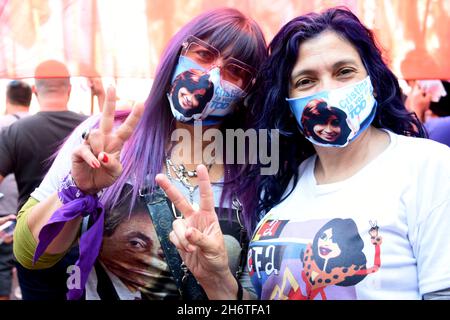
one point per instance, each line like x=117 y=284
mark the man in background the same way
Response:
x=25 y=149
x=18 y=99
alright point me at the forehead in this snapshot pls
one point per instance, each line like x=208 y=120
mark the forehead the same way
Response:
x=325 y=50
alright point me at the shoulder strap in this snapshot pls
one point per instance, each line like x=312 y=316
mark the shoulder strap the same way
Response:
x=243 y=237
x=159 y=207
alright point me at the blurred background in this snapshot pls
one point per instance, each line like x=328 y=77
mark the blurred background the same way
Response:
x=121 y=41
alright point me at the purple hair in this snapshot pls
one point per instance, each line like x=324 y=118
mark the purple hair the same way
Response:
x=143 y=155
x=273 y=86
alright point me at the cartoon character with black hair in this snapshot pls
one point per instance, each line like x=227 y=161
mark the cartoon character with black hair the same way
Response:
x=191 y=91
x=327 y=125
x=335 y=258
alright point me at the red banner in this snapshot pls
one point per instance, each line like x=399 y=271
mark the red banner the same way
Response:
x=124 y=39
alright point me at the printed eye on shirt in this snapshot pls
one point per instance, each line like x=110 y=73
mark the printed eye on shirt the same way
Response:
x=131 y=264
x=316 y=259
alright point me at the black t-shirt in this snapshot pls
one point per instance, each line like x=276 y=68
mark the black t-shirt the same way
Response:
x=28 y=144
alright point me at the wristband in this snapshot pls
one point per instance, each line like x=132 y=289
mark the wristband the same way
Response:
x=69 y=191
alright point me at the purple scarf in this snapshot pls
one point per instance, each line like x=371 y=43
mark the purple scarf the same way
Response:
x=75 y=204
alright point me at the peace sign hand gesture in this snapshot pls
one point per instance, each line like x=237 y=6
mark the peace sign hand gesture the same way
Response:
x=198 y=236
x=96 y=163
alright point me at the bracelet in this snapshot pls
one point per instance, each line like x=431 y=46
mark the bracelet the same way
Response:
x=240 y=291
x=68 y=191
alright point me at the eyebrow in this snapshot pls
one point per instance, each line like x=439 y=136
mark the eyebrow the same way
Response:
x=336 y=65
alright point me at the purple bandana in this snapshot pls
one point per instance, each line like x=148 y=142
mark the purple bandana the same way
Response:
x=75 y=204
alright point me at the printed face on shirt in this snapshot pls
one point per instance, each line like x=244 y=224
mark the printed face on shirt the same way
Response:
x=133 y=252
x=313 y=259
x=328 y=249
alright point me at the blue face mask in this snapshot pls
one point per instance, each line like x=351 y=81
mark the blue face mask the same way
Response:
x=333 y=118
x=199 y=94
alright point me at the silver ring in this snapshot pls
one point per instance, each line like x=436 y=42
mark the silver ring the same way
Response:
x=85 y=134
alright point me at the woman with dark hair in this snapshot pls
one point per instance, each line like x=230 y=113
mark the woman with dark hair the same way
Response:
x=384 y=177
x=107 y=173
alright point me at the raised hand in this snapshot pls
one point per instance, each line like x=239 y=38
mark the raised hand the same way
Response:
x=198 y=236
x=96 y=85
x=96 y=163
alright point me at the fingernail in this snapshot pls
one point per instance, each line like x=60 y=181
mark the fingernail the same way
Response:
x=95 y=164
x=105 y=158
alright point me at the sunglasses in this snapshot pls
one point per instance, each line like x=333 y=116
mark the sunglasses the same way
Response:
x=232 y=70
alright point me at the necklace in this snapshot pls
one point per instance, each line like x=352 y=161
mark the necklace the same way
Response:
x=183 y=175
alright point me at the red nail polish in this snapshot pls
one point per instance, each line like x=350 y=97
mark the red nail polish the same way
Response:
x=105 y=158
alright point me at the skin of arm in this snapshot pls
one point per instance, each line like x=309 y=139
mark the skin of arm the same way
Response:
x=223 y=287
x=39 y=216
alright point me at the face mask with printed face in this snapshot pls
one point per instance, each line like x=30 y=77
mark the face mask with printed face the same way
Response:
x=199 y=94
x=333 y=118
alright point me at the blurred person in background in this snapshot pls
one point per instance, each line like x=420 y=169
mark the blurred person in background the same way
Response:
x=25 y=149
x=18 y=99
x=430 y=100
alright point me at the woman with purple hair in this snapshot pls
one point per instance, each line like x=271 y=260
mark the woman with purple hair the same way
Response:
x=101 y=189
x=387 y=186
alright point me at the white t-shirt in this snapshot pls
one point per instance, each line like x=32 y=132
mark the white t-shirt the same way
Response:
x=316 y=243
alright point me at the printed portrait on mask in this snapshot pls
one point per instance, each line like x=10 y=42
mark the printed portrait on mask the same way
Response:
x=325 y=124
x=191 y=91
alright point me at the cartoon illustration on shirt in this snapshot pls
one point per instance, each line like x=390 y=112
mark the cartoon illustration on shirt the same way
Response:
x=335 y=258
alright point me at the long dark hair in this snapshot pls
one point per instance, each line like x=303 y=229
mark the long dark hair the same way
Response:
x=273 y=111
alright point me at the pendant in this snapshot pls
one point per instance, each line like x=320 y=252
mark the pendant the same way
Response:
x=192 y=173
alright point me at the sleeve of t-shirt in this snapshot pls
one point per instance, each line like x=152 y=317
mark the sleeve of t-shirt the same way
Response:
x=6 y=151
x=433 y=259
x=24 y=244
x=62 y=163
x=430 y=233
